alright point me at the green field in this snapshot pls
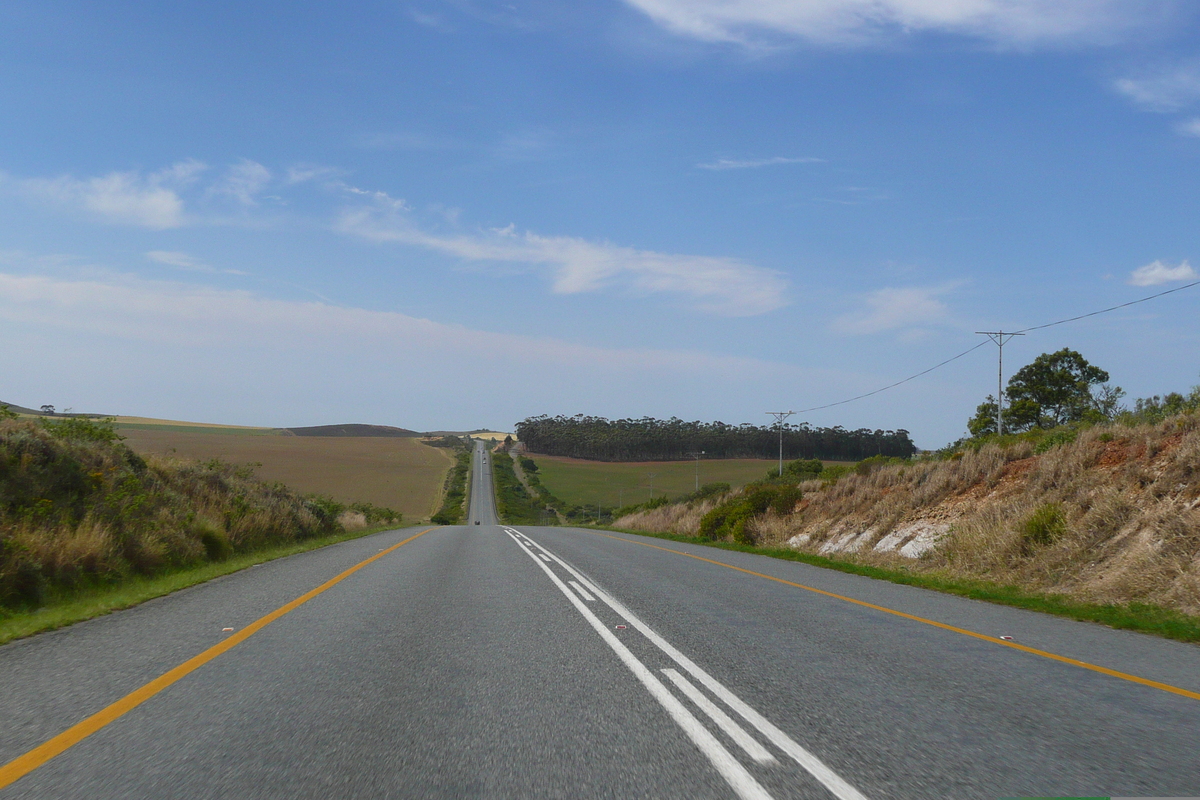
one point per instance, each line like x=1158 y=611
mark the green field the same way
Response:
x=615 y=484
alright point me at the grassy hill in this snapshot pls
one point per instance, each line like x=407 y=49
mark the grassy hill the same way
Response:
x=80 y=509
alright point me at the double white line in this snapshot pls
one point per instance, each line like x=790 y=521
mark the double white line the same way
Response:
x=739 y=778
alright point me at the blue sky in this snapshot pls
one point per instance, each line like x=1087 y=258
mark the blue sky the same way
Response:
x=457 y=213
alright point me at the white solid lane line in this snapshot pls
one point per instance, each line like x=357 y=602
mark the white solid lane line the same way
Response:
x=737 y=776
x=731 y=728
x=582 y=592
x=815 y=767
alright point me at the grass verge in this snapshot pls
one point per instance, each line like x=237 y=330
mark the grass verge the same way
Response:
x=104 y=600
x=1140 y=617
x=513 y=502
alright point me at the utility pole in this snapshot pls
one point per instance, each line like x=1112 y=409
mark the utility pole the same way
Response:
x=697 y=456
x=999 y=337
x=651 y=474
x=780 y=416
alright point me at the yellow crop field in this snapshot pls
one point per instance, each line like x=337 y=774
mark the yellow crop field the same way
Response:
x=397 y=472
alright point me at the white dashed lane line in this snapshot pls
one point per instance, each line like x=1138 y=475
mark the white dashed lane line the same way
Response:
x=735 y=773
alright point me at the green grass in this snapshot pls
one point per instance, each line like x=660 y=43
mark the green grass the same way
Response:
x=104 y=600
x=513 y=502
x=1140 y=617
x=620 y=484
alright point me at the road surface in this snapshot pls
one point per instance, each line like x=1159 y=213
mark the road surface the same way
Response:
x=492 y=661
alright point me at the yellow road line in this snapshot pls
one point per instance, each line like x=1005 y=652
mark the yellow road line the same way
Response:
x=23 y=765
x=1166 y=687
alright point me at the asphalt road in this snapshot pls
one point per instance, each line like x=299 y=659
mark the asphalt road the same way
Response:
x=487 y=661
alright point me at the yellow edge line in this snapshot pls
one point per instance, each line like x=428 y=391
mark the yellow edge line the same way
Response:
x=1166 y=687
x=23 y=765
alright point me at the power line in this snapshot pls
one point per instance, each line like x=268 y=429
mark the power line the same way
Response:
x=981 y=344
x=1113 y=308
x=893 y=385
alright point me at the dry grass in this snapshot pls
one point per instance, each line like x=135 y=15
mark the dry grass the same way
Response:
x=394 y=472
x=79 y=509
x=679 y=518
x=1123 y=506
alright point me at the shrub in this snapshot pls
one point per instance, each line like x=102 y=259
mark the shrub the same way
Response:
x=729 y=519
x=803 y=469
x=455 y=492
x=1044 y=526
x=1055 y=438
x=214 y=539
x=374 y=515
x=833 y=472
x=706 y=491
x=82 y=429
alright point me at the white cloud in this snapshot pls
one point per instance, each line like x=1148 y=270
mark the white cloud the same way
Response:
x=1004 y=22
x=1189 y=127
x=894 y=308
x=1156 y=272
x=730 y=163
x=173 y=258
x=129 y=198
x=243 y=181
x=1164 y=91
x=174 y=314
x=720 y=285
x=302 y=173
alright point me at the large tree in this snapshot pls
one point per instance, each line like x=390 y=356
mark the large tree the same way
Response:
x=1056 y=388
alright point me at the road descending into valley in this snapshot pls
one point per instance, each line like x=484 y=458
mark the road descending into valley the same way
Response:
x=495 y=661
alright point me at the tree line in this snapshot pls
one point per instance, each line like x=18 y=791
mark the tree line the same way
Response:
x=649 y=439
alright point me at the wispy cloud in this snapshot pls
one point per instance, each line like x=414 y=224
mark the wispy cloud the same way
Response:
x=1156 y=273
x=430 y=20
x=895 y=308
x=177 y=313
x=720 y=285
x=753 y=163
x=1164 y=90
x=131 y=198
x=1013 y=23
x=303 y=173
x=174 y=258
x=1189 y=127
x=243 y=181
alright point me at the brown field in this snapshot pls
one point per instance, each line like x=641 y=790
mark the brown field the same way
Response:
x=399 y=473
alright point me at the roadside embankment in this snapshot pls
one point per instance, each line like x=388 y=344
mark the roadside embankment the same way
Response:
x=80 y=511
x=1110 y=517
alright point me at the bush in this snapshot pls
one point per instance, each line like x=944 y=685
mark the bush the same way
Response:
x=82 y=429
x=833 y=472
x=1055 y=438
x=729 y=519
x=514 y=503
x=454 y=496
x=803 y=469
x=1044 y=526
x=215 y=541
x=375 y=515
